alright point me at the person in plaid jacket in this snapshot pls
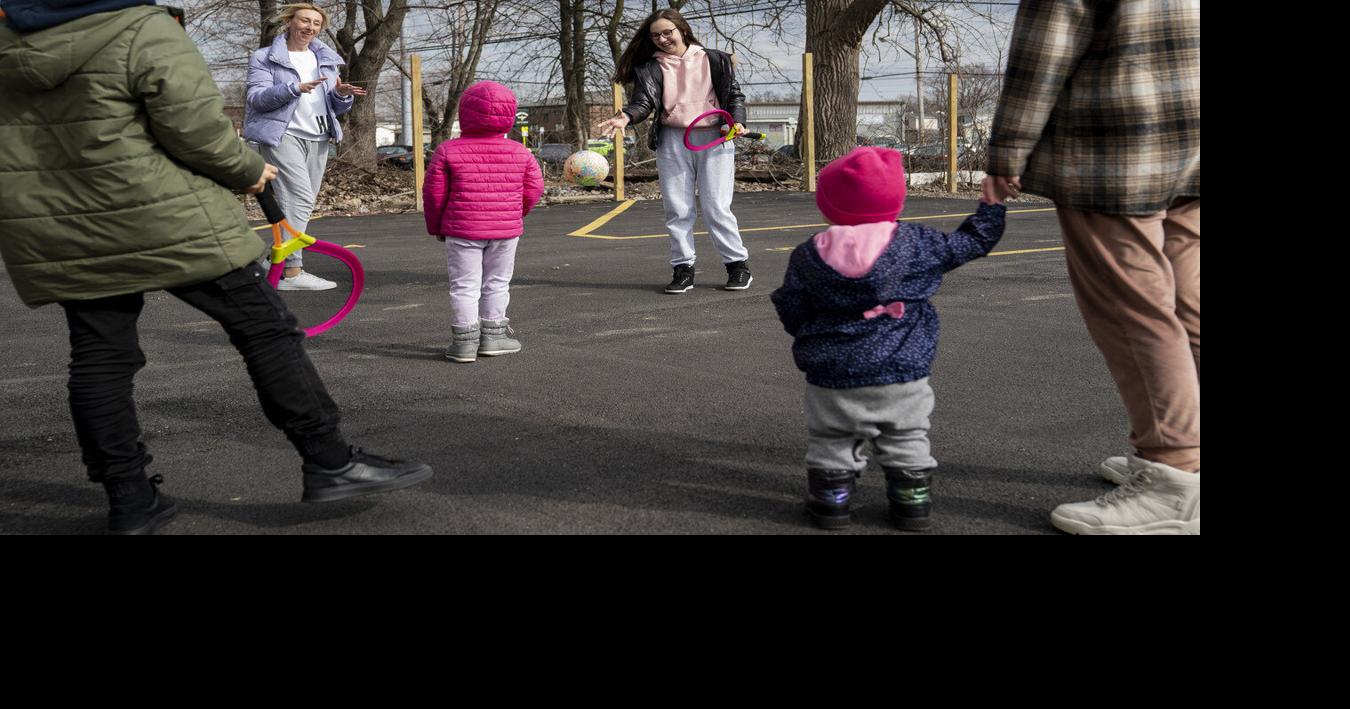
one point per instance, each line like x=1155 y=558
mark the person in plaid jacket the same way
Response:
x=1101 y=113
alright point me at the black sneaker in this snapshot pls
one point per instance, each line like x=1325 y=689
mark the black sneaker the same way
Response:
x=907 y=492
x=738 y=275
x=364 y=474
x=684 y=279
x=828 y=494
x=137 y=506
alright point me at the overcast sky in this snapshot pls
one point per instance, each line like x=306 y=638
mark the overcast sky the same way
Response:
x=531 y=69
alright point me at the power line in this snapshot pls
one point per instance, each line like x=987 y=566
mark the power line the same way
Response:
x=902 y=75
x=528 y=37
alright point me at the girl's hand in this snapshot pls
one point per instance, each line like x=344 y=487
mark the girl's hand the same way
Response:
x=739 y=129
x=309 y=86
x=1002 y=187
x=987 y=193
x=619 y=121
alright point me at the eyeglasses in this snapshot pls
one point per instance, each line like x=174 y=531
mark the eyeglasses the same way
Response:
x=664 y=35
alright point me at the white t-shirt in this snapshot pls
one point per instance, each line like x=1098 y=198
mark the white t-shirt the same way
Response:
x=310 y=121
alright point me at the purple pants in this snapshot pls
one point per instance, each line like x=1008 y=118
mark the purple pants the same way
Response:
x=480 y=278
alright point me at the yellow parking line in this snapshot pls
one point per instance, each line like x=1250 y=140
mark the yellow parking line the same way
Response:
x=585 y=231
x=698 y=233
x=1025 y=251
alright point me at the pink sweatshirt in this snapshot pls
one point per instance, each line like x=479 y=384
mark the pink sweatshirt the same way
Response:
x=686 y=88
x=853 y=250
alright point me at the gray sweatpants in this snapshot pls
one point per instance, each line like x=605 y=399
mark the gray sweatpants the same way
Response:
x=300 y=164
x=713 y=173
x=893 y=418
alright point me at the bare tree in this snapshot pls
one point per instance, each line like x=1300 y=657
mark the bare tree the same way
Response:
x=834 y=34
x=468 y=35
x=572 y=44
x=612 y=30
x=978 y=89
x=835 y=31
x=563 y=41
x=267 y=9
x=367 y=33
x=225 y=31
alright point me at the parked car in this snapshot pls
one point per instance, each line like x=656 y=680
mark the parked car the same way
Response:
x=932 y=158
x=555 y=153
x=400 y=156
x=604 y=146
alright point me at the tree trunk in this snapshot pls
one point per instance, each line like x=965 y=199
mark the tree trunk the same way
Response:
x=612 y=32
x=834 y=33
x=363 y=69
x=572 y=43
x=267 y=9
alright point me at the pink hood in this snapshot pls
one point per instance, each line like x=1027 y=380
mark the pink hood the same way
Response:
x=853 y=250
x=486 y=108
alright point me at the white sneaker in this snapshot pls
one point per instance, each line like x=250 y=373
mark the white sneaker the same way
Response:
x=305 y=281
x=1116 y=469
x=1154 y=499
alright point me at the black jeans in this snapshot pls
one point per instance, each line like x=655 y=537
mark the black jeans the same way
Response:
x=105 y=355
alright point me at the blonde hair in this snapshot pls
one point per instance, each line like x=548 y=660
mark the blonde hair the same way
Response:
x=287 y=13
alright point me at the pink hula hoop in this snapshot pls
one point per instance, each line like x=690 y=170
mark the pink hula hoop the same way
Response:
x=730 y=121
x=358 y=281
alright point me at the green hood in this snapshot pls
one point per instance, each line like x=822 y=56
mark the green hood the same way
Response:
x=41 y=61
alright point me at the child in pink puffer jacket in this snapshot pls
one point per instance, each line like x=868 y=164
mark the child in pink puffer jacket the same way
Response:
x=478 y=189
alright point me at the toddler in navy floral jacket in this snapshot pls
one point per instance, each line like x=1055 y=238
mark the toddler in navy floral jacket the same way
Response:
x=856 y=298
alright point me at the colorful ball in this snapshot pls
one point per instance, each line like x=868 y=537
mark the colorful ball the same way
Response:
x=586 y=168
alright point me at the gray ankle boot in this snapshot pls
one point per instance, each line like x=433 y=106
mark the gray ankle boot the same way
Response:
x=465 y=345
x=495 y=340
x=907 y=492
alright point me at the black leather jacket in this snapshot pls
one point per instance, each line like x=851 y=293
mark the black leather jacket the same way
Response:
x=647 y=92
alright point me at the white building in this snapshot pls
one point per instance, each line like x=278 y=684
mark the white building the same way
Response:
x=778 y=119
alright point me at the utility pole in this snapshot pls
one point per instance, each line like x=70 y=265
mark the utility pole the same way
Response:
x=406 y=85
x=415 y=138
x=953 y=119
x=918 y=76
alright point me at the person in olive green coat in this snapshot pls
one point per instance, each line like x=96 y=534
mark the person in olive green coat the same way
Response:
x=116 y=169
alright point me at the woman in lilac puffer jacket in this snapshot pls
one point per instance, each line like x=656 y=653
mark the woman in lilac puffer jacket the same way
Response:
x=294 y=99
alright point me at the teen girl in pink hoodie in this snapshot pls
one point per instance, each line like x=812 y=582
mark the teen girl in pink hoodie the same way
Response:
x=674 y=81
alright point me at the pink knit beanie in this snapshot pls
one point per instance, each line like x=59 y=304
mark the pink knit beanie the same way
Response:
x=863 y=187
